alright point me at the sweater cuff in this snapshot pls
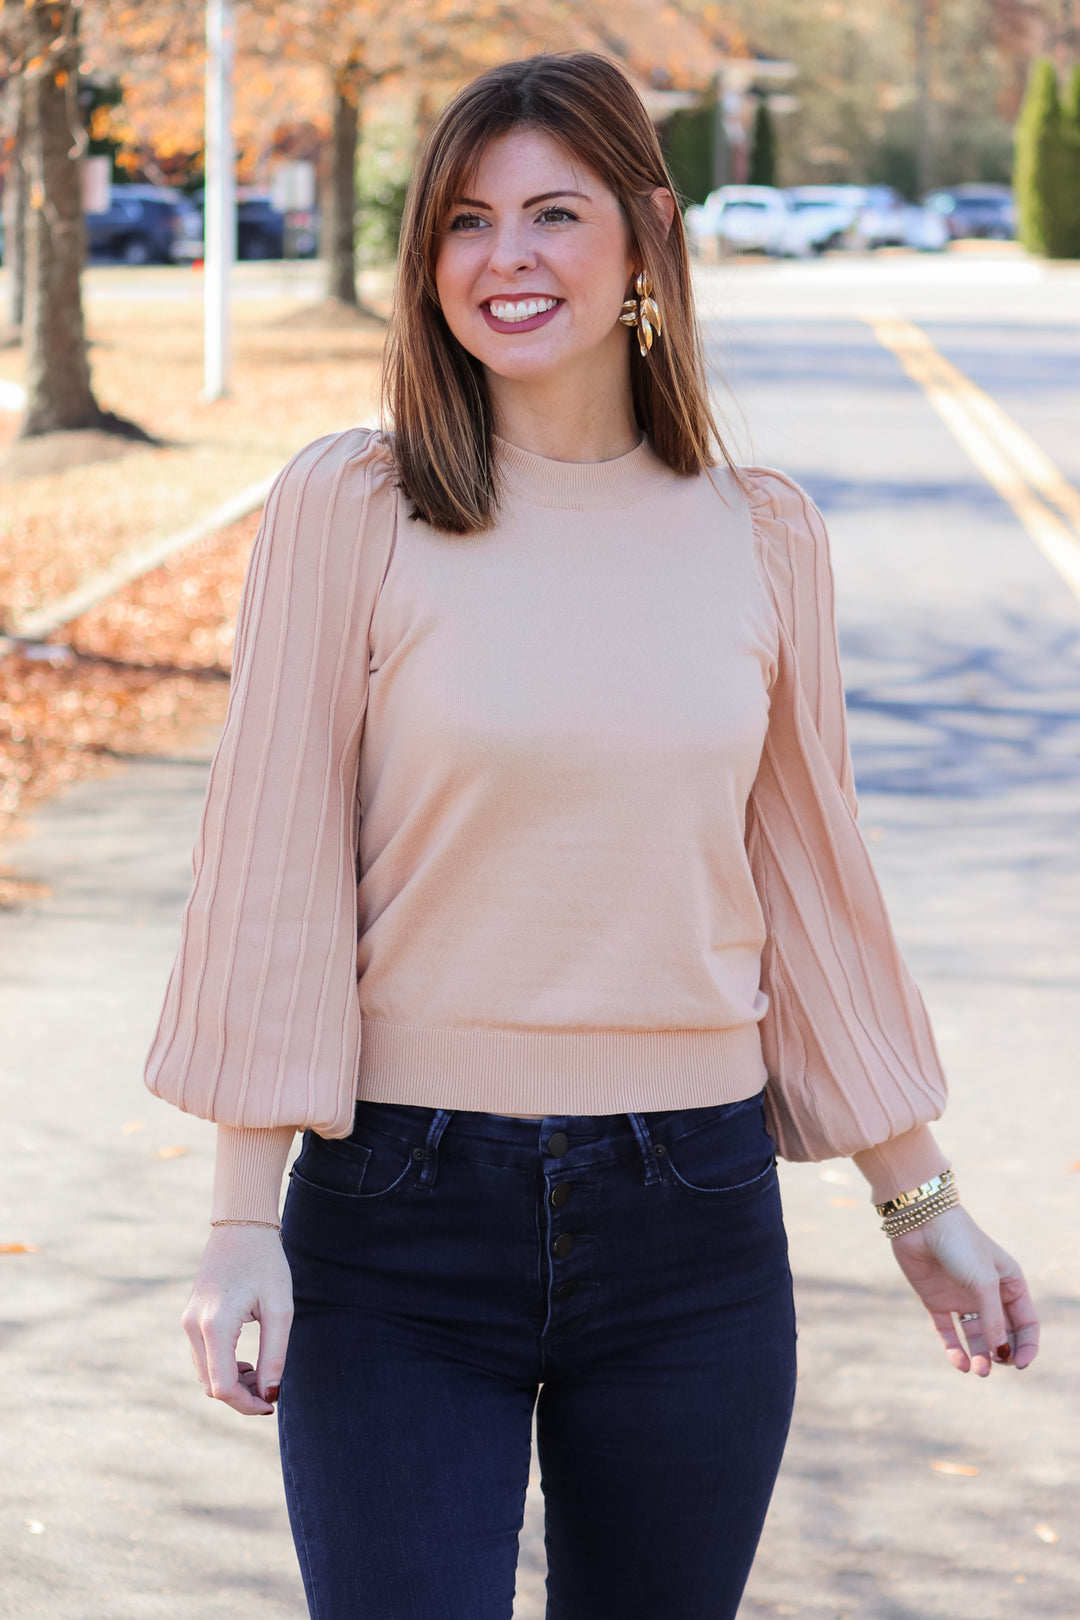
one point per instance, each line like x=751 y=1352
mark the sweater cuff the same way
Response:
x=901 y=1164
x=248 y=1171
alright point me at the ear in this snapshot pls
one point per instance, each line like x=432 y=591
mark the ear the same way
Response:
x=664 y=203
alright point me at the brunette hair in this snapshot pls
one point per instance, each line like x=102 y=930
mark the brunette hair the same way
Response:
x=434 y=390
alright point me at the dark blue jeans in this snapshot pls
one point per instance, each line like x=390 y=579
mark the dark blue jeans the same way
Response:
x=627 y=1275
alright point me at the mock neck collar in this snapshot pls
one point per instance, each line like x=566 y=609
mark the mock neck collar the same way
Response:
x=581 y=485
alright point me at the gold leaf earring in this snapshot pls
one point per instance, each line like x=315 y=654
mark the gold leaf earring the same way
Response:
x=643 y=312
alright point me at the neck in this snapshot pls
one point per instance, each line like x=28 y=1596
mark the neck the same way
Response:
x=566 y=418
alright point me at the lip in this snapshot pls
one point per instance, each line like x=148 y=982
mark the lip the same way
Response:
x=521 y=326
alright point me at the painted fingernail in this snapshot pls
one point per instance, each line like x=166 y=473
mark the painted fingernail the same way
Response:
x=272 y=1393
x=1004 y=1353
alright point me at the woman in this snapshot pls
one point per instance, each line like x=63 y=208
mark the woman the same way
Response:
x=560 y=689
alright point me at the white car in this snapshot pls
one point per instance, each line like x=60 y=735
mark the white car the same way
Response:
x=828 y=215
x=887 y=220
x=866 y=217
x=746 y=219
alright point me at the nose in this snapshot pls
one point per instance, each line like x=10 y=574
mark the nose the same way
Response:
x=510 y=250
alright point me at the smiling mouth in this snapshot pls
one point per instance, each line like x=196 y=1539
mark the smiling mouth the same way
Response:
x=512 y=311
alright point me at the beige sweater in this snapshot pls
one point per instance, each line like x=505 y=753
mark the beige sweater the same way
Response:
x=591 y=768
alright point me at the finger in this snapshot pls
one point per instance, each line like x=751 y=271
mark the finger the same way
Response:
x=273 y=1341
x=1022 y=1318
x=950 y=1338
x=193 y=1328
x=988 y=1334
x=224 y=1374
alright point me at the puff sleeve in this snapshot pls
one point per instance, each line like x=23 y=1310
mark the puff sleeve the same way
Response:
x=261 y=1024
x=853 y=1069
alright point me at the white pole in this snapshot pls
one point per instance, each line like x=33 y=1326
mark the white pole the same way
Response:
x=220 y=198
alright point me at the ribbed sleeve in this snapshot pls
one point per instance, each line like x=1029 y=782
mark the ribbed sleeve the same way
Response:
x=851 y=1059
x=261 y=1026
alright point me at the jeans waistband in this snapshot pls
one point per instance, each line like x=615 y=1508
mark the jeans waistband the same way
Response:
x=578 y=1139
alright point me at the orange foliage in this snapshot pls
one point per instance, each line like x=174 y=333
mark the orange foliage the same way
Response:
x=290 y=53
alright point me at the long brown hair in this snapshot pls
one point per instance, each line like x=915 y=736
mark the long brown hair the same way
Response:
x=434 y=390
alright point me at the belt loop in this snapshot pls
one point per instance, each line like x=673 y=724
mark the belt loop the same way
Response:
x=440 y=1121
x=648 y=1152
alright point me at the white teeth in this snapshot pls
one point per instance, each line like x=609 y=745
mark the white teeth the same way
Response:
x=523 y=311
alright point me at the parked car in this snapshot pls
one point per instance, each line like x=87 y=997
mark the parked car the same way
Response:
x=886 y=219
x=260 y=229
x=140 y=225
x=865 y=217
x=827 y=215
x=975 y=210
x=747 y=219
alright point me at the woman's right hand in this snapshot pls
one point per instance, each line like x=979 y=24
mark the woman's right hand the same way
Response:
x=244 y=1277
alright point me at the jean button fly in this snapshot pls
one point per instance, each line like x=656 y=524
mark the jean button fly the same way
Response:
x=560 y=1195
x=557 y=1144
x=563 y=1245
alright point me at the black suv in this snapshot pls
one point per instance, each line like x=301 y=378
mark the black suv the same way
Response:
x=140 y=225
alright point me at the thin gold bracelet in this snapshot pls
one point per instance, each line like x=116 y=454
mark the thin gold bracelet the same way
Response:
x=271 y=1226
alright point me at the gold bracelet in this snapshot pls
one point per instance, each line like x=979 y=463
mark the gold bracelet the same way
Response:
x=271 y=1226
x=936 y=1184
x=910 y=1210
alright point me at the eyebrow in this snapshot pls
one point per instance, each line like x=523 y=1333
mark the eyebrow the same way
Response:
x=530 y=202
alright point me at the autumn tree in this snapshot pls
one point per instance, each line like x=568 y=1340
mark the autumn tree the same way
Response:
x=319 y=60
x=42 y=46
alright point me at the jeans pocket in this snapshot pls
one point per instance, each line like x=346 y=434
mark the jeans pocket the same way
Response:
x=353 y=1170
x=727 y=1157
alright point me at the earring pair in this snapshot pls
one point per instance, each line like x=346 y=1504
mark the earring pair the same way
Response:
x=643 y=312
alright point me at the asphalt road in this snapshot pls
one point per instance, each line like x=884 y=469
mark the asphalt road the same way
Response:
x=908 y=1492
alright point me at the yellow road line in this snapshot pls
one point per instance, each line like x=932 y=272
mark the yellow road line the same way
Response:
x=1022 y=473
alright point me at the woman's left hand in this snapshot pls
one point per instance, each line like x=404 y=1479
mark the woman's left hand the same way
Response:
x=955 y=1268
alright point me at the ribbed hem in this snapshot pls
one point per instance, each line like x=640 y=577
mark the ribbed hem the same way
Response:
x=248 y=1171
x=901 y=1164
x=499 y=1071
x=582 y=485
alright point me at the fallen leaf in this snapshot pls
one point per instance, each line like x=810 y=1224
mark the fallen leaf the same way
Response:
x=132 y=1126
x=1044 y=1533
x=1075 y=1165
x=176 y=1152
x=844 y=1203
x=835 y=1178
x=35 y=1527
x=953 y=1468
x=18 y=1248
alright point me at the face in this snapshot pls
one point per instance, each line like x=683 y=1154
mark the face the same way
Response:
x=532 y=265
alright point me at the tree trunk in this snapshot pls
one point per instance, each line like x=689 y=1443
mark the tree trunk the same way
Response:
x=16 y=193
x=58 y=391
x=341 y=224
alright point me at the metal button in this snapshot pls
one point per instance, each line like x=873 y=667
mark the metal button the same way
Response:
x=560 y=1195
x=563 y=1245
x=418 y=1154
x=557 y=1144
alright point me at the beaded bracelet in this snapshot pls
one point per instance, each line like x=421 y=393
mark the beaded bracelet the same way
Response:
x=908 y=1211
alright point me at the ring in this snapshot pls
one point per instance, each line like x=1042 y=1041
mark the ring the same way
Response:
x=968 y=1316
